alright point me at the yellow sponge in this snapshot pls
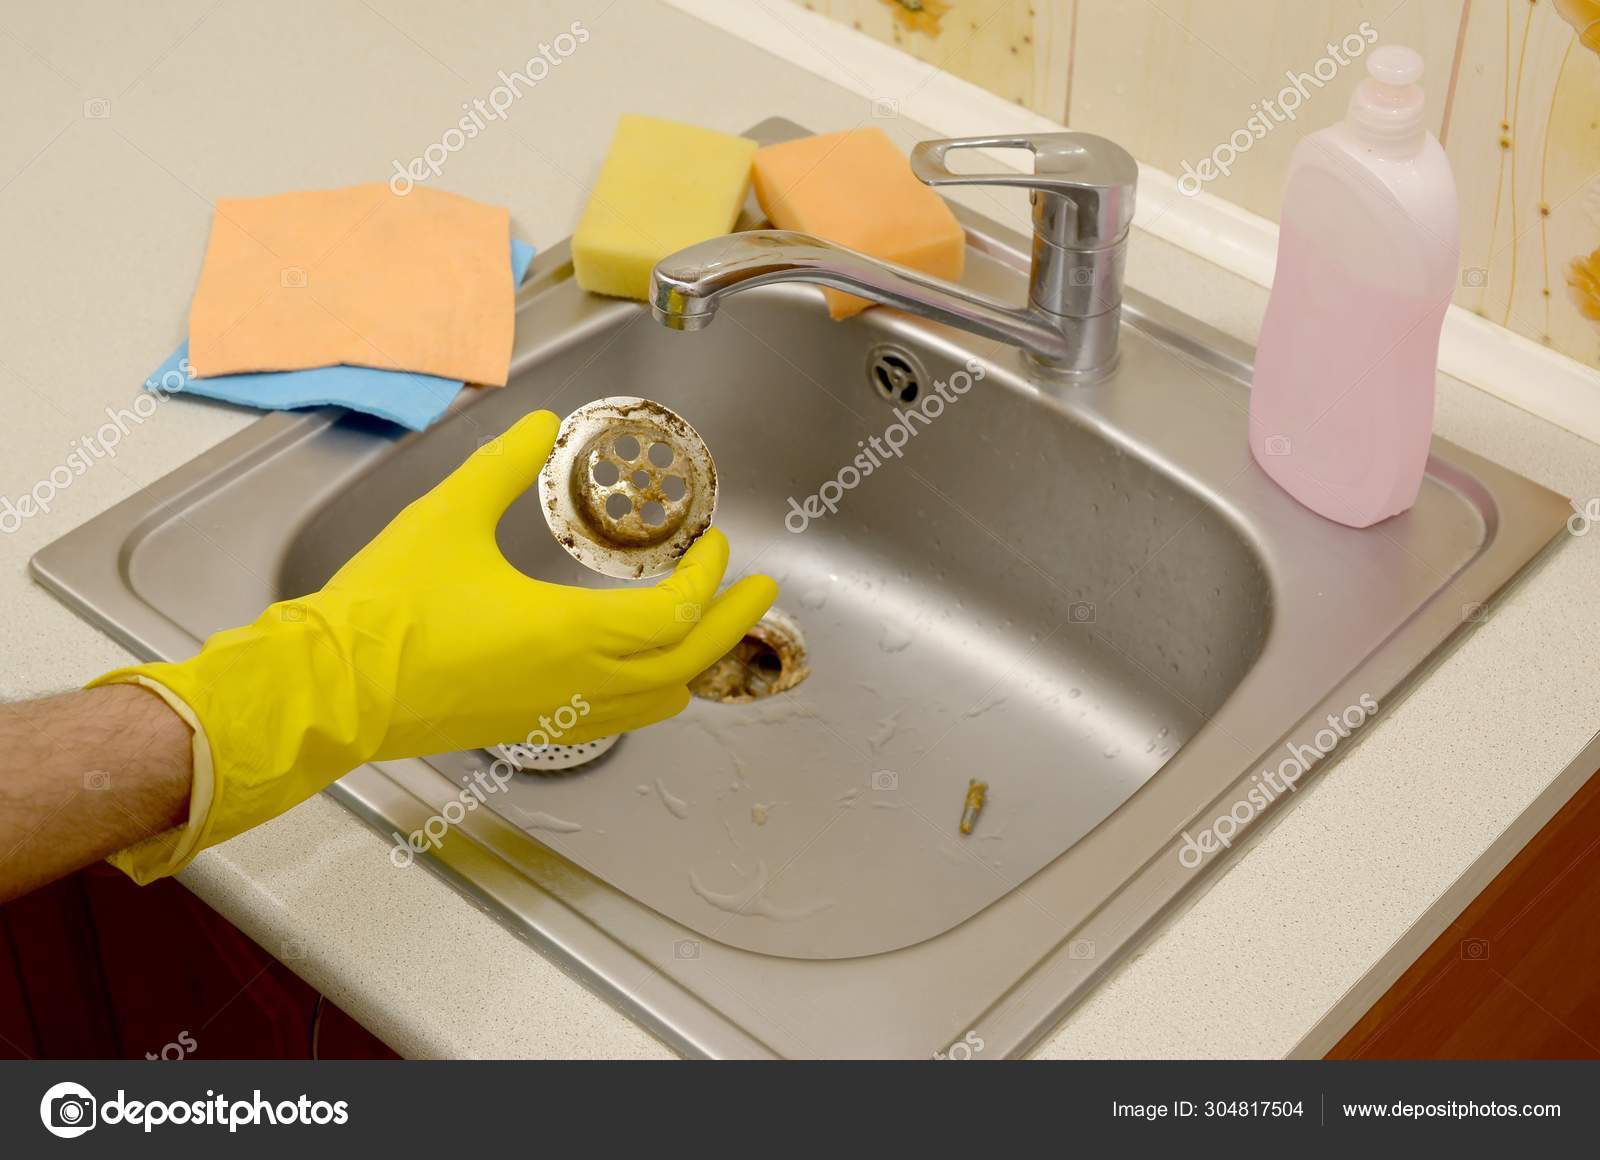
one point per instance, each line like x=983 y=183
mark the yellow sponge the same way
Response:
x=663 y=186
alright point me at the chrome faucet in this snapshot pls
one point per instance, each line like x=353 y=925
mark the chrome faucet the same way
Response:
x=1082 y=191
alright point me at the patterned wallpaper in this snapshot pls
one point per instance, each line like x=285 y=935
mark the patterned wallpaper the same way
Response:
x=1219 y=91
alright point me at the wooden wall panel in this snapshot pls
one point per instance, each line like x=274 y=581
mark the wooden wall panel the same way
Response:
x=1176 y=78
x=988 y=42
x=1526 y=149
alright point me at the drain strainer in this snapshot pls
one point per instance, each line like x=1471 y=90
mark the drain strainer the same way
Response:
x=769 y=660
x=553 y=758
x=629 y=486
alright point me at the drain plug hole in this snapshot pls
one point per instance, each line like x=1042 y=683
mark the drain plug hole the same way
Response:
x=771 y=659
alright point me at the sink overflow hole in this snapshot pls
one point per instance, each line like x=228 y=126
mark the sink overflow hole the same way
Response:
x=894 y=374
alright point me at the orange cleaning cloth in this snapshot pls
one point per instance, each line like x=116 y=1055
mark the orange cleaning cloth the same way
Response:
x=360 y=276
x=856 y=188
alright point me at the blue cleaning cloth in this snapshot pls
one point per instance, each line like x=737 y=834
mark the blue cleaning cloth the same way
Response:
x=413 y=401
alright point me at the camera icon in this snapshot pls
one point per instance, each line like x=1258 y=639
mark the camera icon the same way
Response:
x=291 y=949
x=292 y=612
x=1276 y=445
x=1475 y=950
x=1081 y=612
x=1080 y=948
x=293 y=277
x=1475 y=613
x=686 y=948
x=72 y=1112
x=67 y=1110
x=883 y=107
x=1475 y=276
x=97 y=779
x=97 y=108
x=687 y=612
x=884 y=780
x=491 y=445
x=1080 y=276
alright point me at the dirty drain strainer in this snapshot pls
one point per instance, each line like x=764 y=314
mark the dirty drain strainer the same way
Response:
x=553 y=758
x=629 y=486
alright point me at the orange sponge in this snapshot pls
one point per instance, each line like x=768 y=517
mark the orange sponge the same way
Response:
x=856 y=188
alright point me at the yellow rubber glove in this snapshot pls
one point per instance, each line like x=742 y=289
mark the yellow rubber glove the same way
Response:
x=429 y=641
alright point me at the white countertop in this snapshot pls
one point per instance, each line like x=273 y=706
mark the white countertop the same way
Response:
x=102 y=227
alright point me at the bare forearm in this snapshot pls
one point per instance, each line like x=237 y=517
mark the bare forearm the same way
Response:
x=83 y=775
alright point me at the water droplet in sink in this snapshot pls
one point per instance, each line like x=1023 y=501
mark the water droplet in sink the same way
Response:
x=676 y=806
x=539 y=820
x=751 y=900
x=894 y=639
x=815 y=599
x=887 y=726
x=1074 y=693
x=1112 y=750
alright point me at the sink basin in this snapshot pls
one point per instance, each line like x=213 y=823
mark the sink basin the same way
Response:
x=1089 y=598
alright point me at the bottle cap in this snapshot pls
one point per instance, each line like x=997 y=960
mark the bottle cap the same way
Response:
x=1387 y=109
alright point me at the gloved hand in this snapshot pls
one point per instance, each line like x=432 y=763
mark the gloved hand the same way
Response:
x=428 y=641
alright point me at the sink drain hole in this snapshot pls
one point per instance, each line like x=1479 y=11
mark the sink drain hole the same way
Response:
x=894 y=373
x=769 y=660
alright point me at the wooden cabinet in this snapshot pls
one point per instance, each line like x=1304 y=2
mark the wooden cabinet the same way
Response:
x=94 y=967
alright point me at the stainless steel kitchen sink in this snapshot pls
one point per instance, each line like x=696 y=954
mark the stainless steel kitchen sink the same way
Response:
x=1089 y=597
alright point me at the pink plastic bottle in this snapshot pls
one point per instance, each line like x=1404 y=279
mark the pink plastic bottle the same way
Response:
x=1341 y=412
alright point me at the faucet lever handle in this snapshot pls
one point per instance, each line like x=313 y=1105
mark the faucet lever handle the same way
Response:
x=1082 y=186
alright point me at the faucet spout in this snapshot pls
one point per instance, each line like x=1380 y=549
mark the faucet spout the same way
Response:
x=687 y=287
x=1082 y=191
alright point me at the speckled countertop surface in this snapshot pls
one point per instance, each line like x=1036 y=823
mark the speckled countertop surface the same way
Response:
x=103 y=220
